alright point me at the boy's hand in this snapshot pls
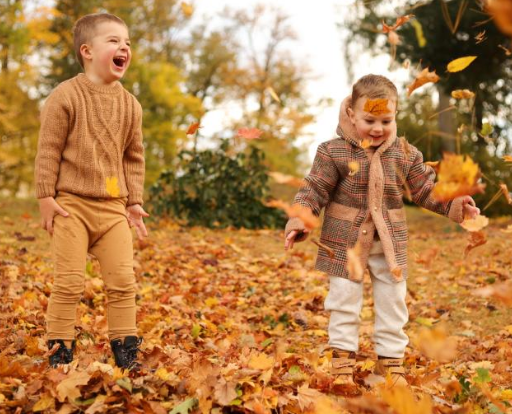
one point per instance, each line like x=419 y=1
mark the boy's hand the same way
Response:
x=290 y=240
x=135 y=213
x=469 y=208
x=49 y=209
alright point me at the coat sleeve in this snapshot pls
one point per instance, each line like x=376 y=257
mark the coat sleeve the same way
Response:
x=421 y=182
x=316 y=191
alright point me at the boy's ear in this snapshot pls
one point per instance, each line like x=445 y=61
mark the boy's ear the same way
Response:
x=85 y=51
x=351 y=115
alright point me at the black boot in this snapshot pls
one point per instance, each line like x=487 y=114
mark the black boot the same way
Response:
x=125 y=353
x=63 y=355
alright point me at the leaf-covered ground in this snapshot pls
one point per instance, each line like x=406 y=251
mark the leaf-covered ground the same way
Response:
x=232 y=323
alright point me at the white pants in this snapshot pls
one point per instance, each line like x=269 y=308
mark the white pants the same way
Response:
x=345 y=300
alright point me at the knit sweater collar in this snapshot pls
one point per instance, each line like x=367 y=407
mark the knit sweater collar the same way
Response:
x=103 y=89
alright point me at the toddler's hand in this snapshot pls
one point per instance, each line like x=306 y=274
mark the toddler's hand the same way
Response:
x=49 y=209
x=135 y=213
x=469 y=207
x=290 y=240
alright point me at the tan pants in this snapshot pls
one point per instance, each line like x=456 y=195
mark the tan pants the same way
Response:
x=98 y=226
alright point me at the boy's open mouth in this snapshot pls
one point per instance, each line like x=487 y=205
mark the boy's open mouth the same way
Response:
x=119 y=61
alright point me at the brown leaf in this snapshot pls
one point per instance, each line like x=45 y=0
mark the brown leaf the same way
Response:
x=500 y=291
x=68 y=388
x=329 y=251
x=399 y=22
x=475 y=239
x=425 y=76
x=296 y=210
x=225 y=392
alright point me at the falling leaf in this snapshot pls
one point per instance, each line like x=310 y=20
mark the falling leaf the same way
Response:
x=376 y=106
x=394 y=38
x=420 y=37
x=193 y=128
x=507 y=158
x=500 y=291
x=330 y=252
x=402 y=401
x=354 y=265
x=296 y=210
x=112 y=187
x=504 y=190
x=480 y=37
x=68 y=388
x=475 y=239
x=434 y=164
x=462 y=94
x=249 y=133
x=459 y=64
x=281 y=178
x=261 y=361
x=399 y=22
x=365 y=143
x=507 y=51
x=273 y=94
x=458 y=176
x=425 y=76
x=476 y=224
x=435 y=344
x=487 y=129
x=353 y=168
x=501 y=12
x=187 y=9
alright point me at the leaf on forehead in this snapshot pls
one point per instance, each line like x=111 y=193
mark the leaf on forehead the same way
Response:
x=462 y=94
x=475 y=239
x=425 y=76
x=376 y=106
x=458 y=176
x=459 y=64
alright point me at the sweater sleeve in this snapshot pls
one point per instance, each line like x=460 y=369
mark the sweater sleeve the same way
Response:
x=421 y=182
x=55 y=120
x=133 y=161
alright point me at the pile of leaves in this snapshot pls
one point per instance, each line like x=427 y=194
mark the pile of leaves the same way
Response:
x=231 y=323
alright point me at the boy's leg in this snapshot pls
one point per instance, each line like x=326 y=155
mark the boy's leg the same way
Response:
x=69 y=245
x=114 y=251
x=344 y=301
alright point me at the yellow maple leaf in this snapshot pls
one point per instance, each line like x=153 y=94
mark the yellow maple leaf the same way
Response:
x=261 y=361
x=459 y=64
x=458 y=176
x=376 y=106
x=68 y=388
x=112 y=186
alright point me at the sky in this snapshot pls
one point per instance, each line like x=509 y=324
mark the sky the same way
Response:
x=319 y=45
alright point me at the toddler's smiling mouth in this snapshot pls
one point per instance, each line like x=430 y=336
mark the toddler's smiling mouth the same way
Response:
x=120 y=61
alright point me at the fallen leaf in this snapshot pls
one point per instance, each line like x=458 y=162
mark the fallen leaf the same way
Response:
x=425 y=76
x=273 y=94
x=185 y=407
x=261 y=361
x=399 y=22
x=506 y=194
x=249 y=133
x=507 y=158
x=500 y=291
x=436 y=344
x=480 y=37
x=225 y=392
x=329 y=251
x=459 y=64
x=475 y=239
x=420 y=37
x=402 y=401
x=68 y=388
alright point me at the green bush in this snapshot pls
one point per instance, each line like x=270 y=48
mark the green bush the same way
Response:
x=216 y=188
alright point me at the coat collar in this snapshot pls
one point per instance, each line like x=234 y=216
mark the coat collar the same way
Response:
x=347 y=131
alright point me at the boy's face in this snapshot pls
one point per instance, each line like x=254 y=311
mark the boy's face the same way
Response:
x=374 y=120
x=108 y=55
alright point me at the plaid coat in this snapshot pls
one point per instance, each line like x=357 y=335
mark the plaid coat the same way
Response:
x=358 y=205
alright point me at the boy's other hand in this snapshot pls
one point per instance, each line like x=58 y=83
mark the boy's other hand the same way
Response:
x=290 y=239
x=135 y=213
x=49 y=209
x=469 y=207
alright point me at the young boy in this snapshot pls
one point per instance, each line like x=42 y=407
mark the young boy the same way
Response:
x=89 y=176
x=360 y=179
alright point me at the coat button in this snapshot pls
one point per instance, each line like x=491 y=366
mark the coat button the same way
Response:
x=365 y=232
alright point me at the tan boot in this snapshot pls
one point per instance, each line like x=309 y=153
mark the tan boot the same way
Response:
x=342 y=367
x=393 y=367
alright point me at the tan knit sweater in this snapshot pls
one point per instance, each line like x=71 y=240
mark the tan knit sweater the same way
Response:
x=90 y=142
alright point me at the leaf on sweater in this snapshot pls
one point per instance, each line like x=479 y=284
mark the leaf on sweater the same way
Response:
x=353 y=167
x=458 y=176
x=475 y=239
x=459 y=64
x=425 y=76
x=376 y=106
x=476 y=224
x=249 y=133
x=112 y=186
x=462 y=94
x=354 y=265
x=330 y=252
x=500 y=291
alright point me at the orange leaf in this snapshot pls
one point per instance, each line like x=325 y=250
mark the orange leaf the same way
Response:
x=403 y=401
x=436 y=344
x=394 y=38
x=249 y=133
x=475 y=239
x=462 y=94
x=500 y=291
x=458 y=176
x=353 y=168
x=304 y=213
x=501 y=11
x=68 y=388
x=286 y=179
x=507 y=158
x=187 y=9
x=193 y=128
x=261 y=361
x=376 y=106
x=365 y=143
x=421 y=79
x=399 y=22
x=329 y=251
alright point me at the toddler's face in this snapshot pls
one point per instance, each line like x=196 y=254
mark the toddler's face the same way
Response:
x=374 y=119
x=109 y=52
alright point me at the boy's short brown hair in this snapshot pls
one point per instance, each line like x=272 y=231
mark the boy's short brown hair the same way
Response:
x=373 y=87
x=84 y=29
